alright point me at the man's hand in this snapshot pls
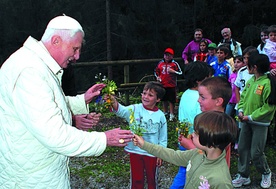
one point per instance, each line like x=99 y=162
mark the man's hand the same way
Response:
x=86 y=121
x=93 y=91
x=118 y=137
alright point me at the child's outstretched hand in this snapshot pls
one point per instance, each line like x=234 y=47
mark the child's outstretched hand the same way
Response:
x=186 y=142
x=138 y=141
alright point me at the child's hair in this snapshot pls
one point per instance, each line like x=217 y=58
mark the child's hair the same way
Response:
x=157 y=87
x=224 y=47
x=206 y=45
x=250 y=50
x=215 y=129
x=194 y=72
x=271 y=29
x=238 y=57
x=262 y=63
x=218 y=87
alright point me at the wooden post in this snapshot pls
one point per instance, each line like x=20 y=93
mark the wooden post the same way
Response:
x=126 y=80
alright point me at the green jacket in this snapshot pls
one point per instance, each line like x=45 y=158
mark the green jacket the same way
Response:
x=201 y=171
x=254 y=103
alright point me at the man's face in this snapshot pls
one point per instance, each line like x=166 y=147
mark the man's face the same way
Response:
x=70 y=50
x=226 y=34
x=198 y=36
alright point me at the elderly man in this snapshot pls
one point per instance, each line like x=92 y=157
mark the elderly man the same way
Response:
x=234 y=45
x=192 y=48
x=36 y=133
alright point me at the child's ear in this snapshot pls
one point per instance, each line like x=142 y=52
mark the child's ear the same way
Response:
x=219 y=101
x=158 y=100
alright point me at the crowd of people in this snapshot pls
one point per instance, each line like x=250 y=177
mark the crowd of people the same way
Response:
x=247 y=95
x=229 y=99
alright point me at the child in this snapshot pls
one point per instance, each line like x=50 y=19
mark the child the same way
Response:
x=256 y=110
x=166 y=72
x=214 y=94
x=211 y=57
x=194 y=73
x=270 y=46
x=238 y=64
x=243 y=75
x=152 y=122
x=202 y=53
x=206 y=166
x=230 y=107
x=221 y=66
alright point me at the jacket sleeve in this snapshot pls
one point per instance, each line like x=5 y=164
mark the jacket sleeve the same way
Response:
x=270 y=51
x=77 y=104
x=261 y=113
x=43 y=111
x=185 y=52
x=179 y=158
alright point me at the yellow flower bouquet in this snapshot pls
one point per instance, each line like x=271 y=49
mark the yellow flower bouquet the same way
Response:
x=184 y=128
x=102 y=104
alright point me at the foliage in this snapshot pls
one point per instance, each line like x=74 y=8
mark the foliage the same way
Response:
x=104 y=101
x=135 y=124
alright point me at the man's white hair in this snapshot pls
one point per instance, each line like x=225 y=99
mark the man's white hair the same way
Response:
x=64 y=26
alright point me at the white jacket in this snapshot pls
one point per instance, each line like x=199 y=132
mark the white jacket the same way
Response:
x=36 y=135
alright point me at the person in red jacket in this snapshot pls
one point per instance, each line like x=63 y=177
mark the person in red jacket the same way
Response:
x=166 y=72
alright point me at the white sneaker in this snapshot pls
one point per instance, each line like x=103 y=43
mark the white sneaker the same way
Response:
x=266 y=181
x=240 y=181
x=171 y=117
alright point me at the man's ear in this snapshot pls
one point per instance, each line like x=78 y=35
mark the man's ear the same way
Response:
x=56 y=40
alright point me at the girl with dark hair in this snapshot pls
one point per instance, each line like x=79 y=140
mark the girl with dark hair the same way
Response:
x=202 y=53
x=264 y=36
x=256 y=110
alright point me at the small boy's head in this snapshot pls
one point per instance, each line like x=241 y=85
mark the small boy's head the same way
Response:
x=215 y=129
x=258 y=61
x=157 y=87
x=272 y=33
x=222 y=52
x=214 y=94
x=212 y=47
x=168 y=54
x=195 y=72
x=247 y=52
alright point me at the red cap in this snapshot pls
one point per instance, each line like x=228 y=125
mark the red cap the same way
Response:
x=169 y=50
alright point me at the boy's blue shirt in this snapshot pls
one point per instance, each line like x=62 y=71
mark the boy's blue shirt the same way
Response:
x=222 y=69
x=153 y=122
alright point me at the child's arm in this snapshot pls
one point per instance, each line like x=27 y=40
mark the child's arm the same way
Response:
x=237 y=93
x=178 y=158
